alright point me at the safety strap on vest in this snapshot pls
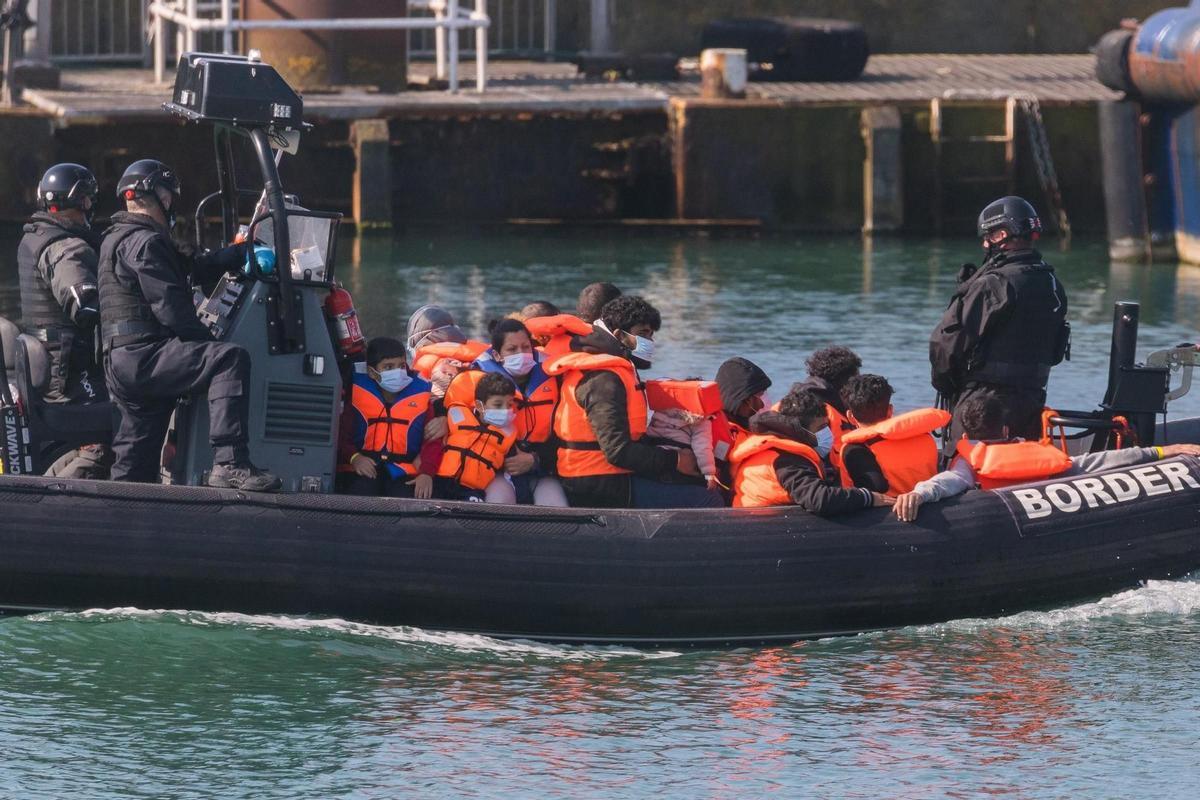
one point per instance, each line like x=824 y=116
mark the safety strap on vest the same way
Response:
x=481 y=430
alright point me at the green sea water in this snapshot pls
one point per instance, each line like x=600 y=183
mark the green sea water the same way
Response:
x=1099 y=700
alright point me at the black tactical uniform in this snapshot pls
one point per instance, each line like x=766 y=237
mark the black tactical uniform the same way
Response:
x=156 y=349
x=56 y=260
x=1004 y=329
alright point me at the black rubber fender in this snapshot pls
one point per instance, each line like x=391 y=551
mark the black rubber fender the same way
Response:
x=794 y=48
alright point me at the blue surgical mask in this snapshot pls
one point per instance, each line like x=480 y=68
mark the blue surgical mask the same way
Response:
x=394 y=380
x=643 y=349
x=825 y=442
x=498 y=417
x=519 y=363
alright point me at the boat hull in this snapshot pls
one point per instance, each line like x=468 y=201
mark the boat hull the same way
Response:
x=718 y=576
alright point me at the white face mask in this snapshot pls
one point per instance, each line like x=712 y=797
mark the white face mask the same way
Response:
x=519 y=363
x=498 y=417
x=394 y=380
x=825 y=441
x=643 y=349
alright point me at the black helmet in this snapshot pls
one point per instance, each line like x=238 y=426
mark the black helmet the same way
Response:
x=64 y=186
x=1013 y=214
x=143 y=177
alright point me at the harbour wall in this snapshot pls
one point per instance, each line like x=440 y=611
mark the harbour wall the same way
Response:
x=792 y=168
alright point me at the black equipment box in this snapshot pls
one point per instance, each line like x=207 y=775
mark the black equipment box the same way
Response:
x=793 y=48
x=235 y=90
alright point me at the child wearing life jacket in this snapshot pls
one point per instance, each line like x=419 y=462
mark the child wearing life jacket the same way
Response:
x=479 y=438
x=384 y=428
x=987 y=459
x=886 y=452
x=675 y=427
x=775 y=470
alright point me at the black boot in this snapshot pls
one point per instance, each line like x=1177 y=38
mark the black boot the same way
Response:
x=244 y=476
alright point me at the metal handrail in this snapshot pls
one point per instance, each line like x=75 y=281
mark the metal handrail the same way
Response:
x=449 y=15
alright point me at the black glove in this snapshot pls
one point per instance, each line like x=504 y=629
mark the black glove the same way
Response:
x=966 y=272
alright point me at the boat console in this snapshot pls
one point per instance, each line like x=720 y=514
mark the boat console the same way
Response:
x=274 y=307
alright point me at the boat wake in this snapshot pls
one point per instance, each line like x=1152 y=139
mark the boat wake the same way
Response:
x=428 y=640
x=1178 y=598
x=1156 y=598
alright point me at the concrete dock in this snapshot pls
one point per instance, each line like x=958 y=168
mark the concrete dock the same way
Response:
x=544 y=144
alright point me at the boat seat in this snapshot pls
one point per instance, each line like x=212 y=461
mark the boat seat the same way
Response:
x=8 y=337
x=54 y=427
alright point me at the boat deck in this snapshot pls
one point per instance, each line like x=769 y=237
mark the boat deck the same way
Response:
x=104 y=96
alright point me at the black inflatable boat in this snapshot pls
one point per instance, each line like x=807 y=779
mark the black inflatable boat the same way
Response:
x=557 y=574
x=667 y=576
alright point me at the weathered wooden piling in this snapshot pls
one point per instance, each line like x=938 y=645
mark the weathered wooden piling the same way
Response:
x=372 y=194
x=883 y=171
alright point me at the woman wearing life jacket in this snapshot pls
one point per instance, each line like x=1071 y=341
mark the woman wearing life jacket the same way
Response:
x=775 y=470
x=602 y=414
x=529 y=469
x=885 y=452
x=986 y=458
x=479 y=441
x=384 y=428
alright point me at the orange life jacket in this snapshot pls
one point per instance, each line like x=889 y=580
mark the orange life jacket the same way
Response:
x=429 y=355
x=394 y=433
x=702 y=398
x=557 y=331
x=839 y=426
x=535 y=413
x=579 y=454
x=755 y=484
x=475 y=451
x=999 y=465
x=903 y=446
x=726 y=433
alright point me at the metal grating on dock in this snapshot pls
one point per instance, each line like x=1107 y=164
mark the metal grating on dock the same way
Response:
x=113 y=95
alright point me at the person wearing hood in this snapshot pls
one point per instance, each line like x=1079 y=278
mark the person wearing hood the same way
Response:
x=602 y=411
x=432 y=324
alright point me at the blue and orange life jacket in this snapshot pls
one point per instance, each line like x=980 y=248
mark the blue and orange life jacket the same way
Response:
x=391 y=433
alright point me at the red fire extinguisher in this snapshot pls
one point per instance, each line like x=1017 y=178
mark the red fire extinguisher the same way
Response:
x=339 y=307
